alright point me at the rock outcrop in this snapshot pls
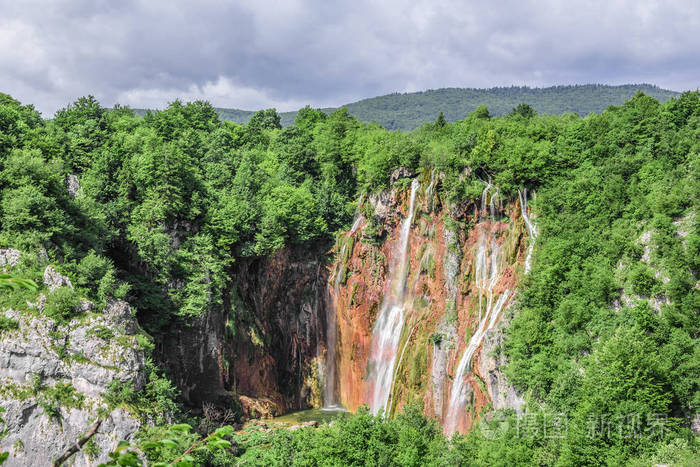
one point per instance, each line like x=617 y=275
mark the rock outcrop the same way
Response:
x=490 y=368
x=9 y=257
x=53 y=377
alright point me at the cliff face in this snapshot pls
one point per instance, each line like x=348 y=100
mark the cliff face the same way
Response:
x=433 y=342
x=264 y=348
x=411 y=310
x=53 y=377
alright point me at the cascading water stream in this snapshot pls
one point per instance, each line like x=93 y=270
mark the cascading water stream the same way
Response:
x=329 y=395
x=390 y=321
x=531 y=228
x=329 y=400
x=486 y=277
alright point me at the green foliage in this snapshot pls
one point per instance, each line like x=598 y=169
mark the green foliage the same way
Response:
x=7 y=324
x=9 y=281
x=174 y=445
x=3 y=455
x=60 y=395
x=362 y=439
x=62 y=304
x=155 y=402
x=642 y=279
x=437 y=338
x=524 y=110
x=408 y=111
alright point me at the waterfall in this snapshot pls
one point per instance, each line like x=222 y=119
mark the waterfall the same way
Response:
x=329 y=399
x=486 y=277
x=531 y=228
x=329 y=394
x=446 y=328
x=390 y=321
x=430 y=191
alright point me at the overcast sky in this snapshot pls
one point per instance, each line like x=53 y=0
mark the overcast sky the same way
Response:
x=257 y=54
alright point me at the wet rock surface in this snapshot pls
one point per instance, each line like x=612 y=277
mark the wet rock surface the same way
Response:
x=278 y=325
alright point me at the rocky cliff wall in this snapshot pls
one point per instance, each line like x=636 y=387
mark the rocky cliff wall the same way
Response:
x=53 y=377
x=262 y=349
x=463 y=267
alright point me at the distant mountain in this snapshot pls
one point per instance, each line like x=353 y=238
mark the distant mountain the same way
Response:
x=406 y=111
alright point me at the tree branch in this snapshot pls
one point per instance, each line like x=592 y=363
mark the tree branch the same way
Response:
x=76 y=447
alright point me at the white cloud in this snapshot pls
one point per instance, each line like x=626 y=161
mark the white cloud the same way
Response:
x=286 y=54
x=223 y=92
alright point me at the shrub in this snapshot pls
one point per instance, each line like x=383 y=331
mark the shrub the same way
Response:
x=642 y=280
x=62 y=304
x=7 y=324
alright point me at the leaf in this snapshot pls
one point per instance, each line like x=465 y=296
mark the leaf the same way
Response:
x=224 y=430
x=169 y=443
x=121 y=446
x=128 y=460
x=150 y=445
x=219 y=444
x=181 y=427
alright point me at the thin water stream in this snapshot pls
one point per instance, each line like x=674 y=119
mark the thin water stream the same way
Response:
x=390 y=321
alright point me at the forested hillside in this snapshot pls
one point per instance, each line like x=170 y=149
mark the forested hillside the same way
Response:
x=406 y=111
x=161 y=210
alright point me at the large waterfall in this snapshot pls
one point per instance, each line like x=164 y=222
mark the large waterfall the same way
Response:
x=390 y=321
x=487 y=260
x=421 y=318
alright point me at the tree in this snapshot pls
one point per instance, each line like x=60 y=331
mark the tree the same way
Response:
x=524 y=110
x=265 y=120
x=440 y=122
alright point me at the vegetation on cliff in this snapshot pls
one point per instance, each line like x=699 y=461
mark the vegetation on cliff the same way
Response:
x=158 y=209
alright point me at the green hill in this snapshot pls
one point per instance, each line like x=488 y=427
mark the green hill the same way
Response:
x=406 y=111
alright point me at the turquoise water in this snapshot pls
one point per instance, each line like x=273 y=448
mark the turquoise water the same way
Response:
x=311 y=415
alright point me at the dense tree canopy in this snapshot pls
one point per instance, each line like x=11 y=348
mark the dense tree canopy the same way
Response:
x=408 y=111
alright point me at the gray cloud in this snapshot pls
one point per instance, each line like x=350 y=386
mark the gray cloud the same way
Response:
x=253 y=54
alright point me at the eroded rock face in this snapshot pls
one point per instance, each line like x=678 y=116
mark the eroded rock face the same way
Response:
x=35 y=439
x=401 y=172
x=491 y=362
x=462 y=261
x=263 y=350
x=85 y=356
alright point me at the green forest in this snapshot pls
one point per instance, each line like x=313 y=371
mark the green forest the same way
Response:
x=408 y=111
x=168 y=202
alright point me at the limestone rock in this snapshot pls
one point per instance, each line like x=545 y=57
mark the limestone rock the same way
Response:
x=72 y=185
x=54 y=279
x=311 y=424
x=9 y=257
x=503 y=395
x=88 y=353
x=119 y=313
x=383 y=204
x=33 y=438
x=401 y=172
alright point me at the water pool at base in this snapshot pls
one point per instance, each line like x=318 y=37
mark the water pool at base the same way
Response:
x=325 y=414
